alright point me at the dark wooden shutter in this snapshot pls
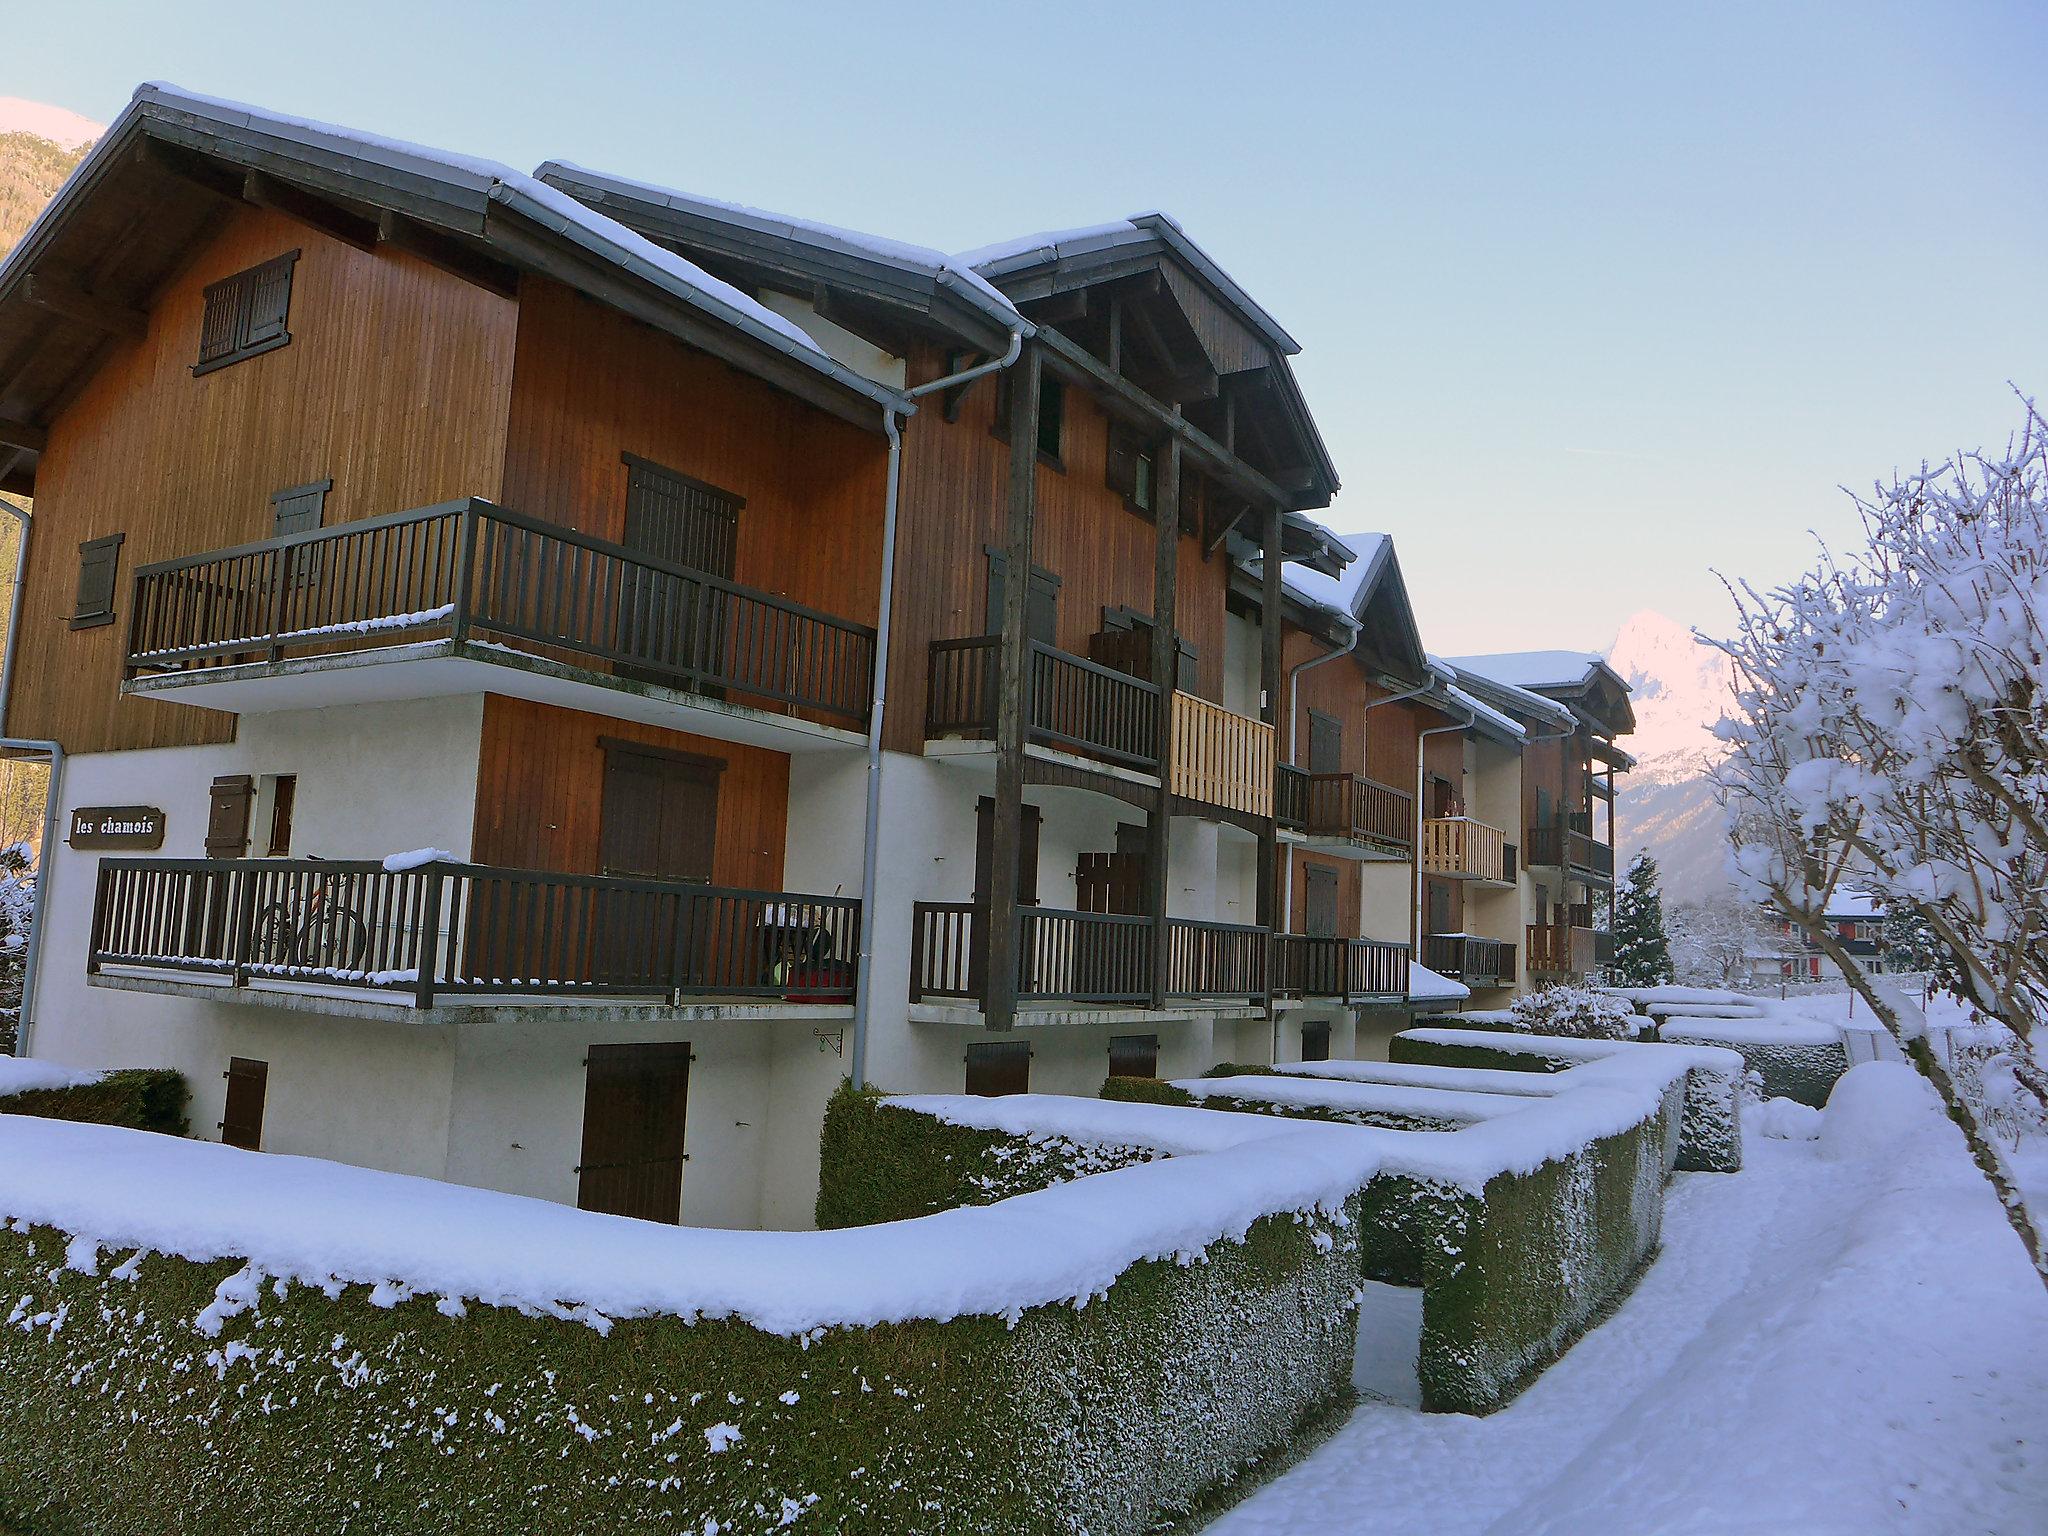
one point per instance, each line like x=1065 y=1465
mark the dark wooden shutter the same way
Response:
x=1319 y=912
x=1027 y=851
x=1041 y=616
x=1120 y=467
x=227 y=816
x=1187 y=666
x=1052 y=411
x=1325 y=743
x=999 y=1067
x=1315 y=1042
x=246 y=314
x=1133 y=1055
x=241 y=1120
x=635 y=1108
x=658 y=818
x=283 y=794
x=299 y=509
x=270 y=300
x=99 y=561
x=678 y=520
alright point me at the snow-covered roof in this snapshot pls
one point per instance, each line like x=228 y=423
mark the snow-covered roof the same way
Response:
x=1532 y=669
x=1025 y=251
x=1851 y=904
x=1426 y=986
x=922 y=260
x=353 y=149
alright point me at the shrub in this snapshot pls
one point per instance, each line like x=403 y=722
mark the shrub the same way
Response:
x=1578 y=1012
x=141 y=1098
x=1144 y=1090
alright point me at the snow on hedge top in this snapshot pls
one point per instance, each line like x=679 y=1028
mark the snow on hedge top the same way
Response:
x=1415 y=1075
x=24 y=1074
x=1776 y=1031
x=1707 y=1058
x=318 y=1222
x=1418 y=1102
x=1673 y=994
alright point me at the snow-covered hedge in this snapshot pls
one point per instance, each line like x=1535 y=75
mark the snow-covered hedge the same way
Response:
x=1521 y=1227
x=1584 y=1013
x=1798 y=1059
x=291 y=1345
x=1709 y=1136
x=144 y=1099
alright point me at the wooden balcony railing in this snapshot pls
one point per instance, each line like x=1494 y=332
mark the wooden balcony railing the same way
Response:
x=1363 y=811
x=468 y=569
x=1459 y=848
x=1473 y=960
x=1290 y=796
x=1070 y=702
x=1093 y=958
x=1347 y=970
x=1577 y=853
x=1558 y=949
x=448 y=928
x=1221 y=757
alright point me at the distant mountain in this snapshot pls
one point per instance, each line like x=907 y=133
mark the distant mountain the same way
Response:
x=1680 y=690
x=39 y=146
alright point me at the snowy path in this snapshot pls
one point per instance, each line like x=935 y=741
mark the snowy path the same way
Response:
x=1822 y=1347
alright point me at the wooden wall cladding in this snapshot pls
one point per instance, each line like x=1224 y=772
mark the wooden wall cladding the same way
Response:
x=590 y=384
x=953 y=505
x=540 y=791
x=1379 y=743
x=396 y=384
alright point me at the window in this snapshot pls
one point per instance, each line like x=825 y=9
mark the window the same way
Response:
x=1319 y=906
x=300 y=509
x=1041 y=620
x=98 y=560
x=283 y=792
x=1315 y=1042
x=999 y=1067
x=1133 y=1055
x=1052 y=410
x=245 y=314
x=1128 y=468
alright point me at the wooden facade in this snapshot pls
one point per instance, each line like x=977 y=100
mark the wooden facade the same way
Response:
x=540 y=793
x=395 y=385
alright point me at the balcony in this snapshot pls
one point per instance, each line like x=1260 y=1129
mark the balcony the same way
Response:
x=1575 y=852
x=1071 y=704
x=1354 y=817
x=472 y=597
x=1347 y=971
x=1475 y=961
x=1092 y=959
x=1221 y=758
x=1459 y=848
x=417 y=936
x=1561 y=949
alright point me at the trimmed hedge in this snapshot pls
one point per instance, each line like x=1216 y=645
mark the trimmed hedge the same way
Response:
x=1805 y=1071
x=311 y=1411
x=878 y=1163
x=1513 y=1275
x=141 y=1098
x=1707 y=1138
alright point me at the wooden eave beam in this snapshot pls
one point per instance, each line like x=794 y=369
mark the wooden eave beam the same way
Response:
x=266 y=191
x=19 y=434
x=1077 y=365
x=451 y=256
x=607 y=285
x=73 y=303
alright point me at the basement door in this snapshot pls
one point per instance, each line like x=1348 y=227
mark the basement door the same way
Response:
x=658 y=821
x=634 y=1102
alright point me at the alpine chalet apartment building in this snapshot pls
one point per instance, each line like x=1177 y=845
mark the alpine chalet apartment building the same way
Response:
x=547 y=676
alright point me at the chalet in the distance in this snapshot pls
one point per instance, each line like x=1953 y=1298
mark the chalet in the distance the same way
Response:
x=593 y=667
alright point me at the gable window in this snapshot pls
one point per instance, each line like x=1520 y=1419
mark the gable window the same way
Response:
x=246 y=314
x=1129 y=466
x=1052 y=412
x=98 y=562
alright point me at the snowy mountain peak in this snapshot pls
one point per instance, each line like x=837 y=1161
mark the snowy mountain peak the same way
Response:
x=1680 y=690
x=60 y=126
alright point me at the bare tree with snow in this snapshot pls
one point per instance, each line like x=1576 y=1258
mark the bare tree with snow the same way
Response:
x=1895 y=732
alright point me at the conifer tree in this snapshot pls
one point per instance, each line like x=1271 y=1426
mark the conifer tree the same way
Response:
x=1642 y=950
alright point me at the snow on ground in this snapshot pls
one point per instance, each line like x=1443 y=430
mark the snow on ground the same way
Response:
x=1825 y=1347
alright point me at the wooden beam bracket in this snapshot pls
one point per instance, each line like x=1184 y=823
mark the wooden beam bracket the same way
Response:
x=74 y=303
x=266 y=191
x=19 y=434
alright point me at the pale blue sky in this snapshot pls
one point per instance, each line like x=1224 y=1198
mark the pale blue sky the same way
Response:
x=1591 y=297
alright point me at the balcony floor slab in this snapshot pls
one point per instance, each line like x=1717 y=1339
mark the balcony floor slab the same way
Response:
x=441 y=668
x=359 y=1003
x=1049 y=1015
x=1360 y=853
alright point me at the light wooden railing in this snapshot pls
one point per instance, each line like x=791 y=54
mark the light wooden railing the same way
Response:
x=1556 y=949
x=1221 y=757
x=1459 y=848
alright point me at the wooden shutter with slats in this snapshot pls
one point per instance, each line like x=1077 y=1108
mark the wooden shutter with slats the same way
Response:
x=227 y=816
x=999 y=1067
x=99 y=562
x=635 y=1107
x=1133 y=1055
x=246 y=314
x=241 y=1119
x=1319 y=913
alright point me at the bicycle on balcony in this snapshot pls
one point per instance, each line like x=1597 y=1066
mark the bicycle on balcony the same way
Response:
x=313 y=929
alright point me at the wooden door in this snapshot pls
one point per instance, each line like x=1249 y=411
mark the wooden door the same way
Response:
x=1325 y=743
x=1319 y=910
x=676 y=623
x=658 y=820
x=634 y=1103
x=241 y=1120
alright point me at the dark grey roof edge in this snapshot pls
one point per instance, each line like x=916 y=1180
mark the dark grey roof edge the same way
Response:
x=1170 y=231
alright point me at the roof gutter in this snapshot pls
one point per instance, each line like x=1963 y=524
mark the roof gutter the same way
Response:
x=871 y=826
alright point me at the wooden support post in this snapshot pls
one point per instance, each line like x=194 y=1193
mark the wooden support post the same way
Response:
x=1270 y=631
x=1165 y=666
x=1013 y=687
